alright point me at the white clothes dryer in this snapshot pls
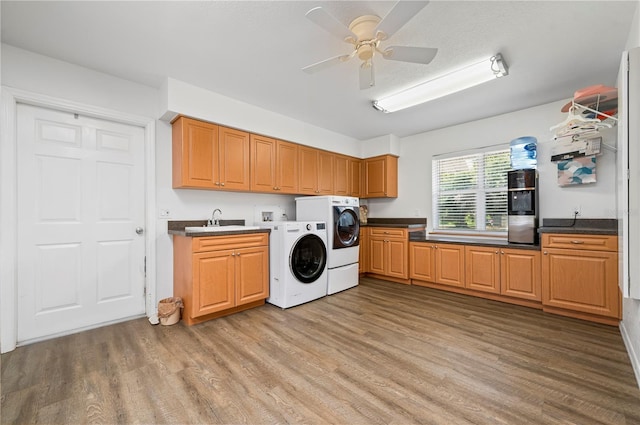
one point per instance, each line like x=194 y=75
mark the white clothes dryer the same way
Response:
x=341 y=213
x=298 y=262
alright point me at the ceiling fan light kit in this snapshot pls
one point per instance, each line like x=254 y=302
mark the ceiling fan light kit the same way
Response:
x=365 y=34
x=452 y=82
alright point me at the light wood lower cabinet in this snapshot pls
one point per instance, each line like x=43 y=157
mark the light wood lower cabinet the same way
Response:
x=389 y=252
x=437 y=263
x=580 y=276
x=510 y=272
x=220 y=275
x=363 y=260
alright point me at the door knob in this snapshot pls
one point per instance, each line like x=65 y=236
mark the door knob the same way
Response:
x=139 y=230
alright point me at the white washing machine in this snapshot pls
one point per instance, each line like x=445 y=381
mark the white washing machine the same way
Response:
x=343 y=235
x=298 y=262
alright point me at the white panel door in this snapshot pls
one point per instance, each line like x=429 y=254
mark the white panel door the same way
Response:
x=80 y=201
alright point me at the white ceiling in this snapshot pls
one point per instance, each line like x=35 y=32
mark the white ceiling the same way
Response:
x=253 y=51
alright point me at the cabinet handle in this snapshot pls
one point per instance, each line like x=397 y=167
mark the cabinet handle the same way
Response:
x=545 y=252
x=233 y=254
x=496 y=252
x=222 y=184
x=577 y=242
x=501 y=252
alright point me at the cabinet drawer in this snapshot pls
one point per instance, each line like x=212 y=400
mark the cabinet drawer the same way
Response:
x=388 y=232
x=580 y=242
x=215 y=243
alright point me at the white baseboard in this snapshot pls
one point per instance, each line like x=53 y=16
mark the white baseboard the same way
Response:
x=633 y=356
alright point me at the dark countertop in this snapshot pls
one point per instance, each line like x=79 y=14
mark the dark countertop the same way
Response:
x=461 y=240
x=178 y=228
x=402 y=223
x=581 y=226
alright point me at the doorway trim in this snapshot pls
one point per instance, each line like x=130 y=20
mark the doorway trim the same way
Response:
x=9 y=99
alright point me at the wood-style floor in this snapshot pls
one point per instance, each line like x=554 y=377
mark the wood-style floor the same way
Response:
x=379 y=353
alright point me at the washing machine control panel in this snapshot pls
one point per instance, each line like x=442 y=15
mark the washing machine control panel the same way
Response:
x=320 y=226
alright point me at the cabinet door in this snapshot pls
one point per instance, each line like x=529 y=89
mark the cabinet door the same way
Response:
x=374 y=177
x=450 y=264
x=234 y=159
x=585 y=281
x=482 y=268
x=195 y=154
x=381 y=177
x=252 y=274
x=363 y=261
x=397 y=258
x=263 y=164
x=325 y=172
x=308 y=170
x=355 y=180
x=422 y=262
x=213 y=282
x=376 y=255
x=341 y=182
x=520 y=274
x=287 y=167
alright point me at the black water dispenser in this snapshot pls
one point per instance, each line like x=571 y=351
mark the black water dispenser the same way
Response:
x=522 y=208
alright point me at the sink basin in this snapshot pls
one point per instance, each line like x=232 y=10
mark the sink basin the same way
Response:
x=232 y=228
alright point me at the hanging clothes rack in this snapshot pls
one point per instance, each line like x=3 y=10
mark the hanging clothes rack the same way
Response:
x=576 y=126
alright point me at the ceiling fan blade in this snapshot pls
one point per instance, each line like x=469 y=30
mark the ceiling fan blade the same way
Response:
x=399 y=15
x=367 y=79
x=330 y=24
x=327 y=63
x=422 y=55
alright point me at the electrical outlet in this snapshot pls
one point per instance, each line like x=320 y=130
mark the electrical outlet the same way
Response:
x=164 y=214
x=577 y=211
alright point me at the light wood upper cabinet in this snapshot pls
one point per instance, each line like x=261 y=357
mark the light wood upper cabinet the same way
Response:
x=308 y=170
x=583 y=277
x=287 y=167
x=195 y=154
x=341 y=175
x=274 y=165
x=355 y=181
x=325 y=172
x=234 y=159
x=208 y=156
x=263 y=163
x=381 y=177
x=315 y=171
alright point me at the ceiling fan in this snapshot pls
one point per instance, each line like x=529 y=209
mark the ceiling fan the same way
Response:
x=366 y=33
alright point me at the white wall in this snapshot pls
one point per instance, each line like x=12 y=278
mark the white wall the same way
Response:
x=630 y=326
x=414 y=176
x=182 y=98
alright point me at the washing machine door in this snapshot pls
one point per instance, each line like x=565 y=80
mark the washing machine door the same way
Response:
x=346 y=230
x=308 y=258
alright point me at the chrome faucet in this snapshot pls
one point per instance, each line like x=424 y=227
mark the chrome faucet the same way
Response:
x=214 y=221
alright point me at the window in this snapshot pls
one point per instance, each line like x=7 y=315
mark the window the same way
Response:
x=470 y=191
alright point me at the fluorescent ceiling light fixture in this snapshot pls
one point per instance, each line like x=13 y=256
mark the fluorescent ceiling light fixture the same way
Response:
x=455 y=81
